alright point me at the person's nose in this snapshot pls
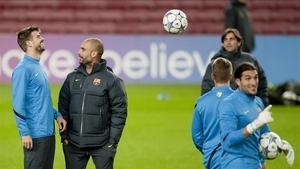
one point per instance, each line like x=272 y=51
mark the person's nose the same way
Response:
x=79 y=53
x=253 y=82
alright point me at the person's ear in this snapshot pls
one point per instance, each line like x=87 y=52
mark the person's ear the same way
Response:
x=212 y=76
x=230 y=76
x=239 y=44
x=238 y=81
x=94 y=54
x=29 y=43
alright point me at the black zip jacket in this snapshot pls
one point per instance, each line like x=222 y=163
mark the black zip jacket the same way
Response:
x=236 y=59
x=94 y=106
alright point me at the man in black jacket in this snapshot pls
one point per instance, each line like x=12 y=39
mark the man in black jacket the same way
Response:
x=232 y=43
x=237 y=16
x=94 y=103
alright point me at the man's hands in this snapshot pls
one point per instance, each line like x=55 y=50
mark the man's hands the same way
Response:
x=264 y=117
x=62 y=124
x=110 y=147
x=288 y=151
x=66 y=142
x=27 y=142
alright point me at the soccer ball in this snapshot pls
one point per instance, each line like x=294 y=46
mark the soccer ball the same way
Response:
x=175 y=21
x=268 y=145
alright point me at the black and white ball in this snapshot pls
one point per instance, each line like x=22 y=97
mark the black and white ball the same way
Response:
x=175 y=21
x=268 y=145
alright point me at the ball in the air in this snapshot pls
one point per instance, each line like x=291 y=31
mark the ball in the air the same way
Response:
x=175 y=21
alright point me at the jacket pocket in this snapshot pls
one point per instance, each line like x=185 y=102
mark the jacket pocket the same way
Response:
x=93 y=125
x=95 y=114
x=94 y=102
x=75 y=123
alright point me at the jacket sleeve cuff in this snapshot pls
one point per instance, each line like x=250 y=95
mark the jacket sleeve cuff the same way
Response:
x=63 y=136
x=112 y=141
x=56 y=114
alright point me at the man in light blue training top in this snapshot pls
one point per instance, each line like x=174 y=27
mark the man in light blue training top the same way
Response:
x=32 y=104
x=243 y=120
x=205 y=125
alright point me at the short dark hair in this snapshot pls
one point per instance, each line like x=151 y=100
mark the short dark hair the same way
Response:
x=98 y=46
x=245 y=66
x=221 y=70
x=236 y=33
x=24 y=35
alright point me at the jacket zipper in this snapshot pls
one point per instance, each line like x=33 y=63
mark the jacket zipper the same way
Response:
x=101 y=119
x=82 y=108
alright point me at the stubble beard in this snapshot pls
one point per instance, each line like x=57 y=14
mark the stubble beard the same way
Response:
x=252 y=92
x=40 y=49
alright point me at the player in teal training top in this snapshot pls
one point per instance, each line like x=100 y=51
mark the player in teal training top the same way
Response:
x=32 y=104
x=205 y=125
x=243 y=120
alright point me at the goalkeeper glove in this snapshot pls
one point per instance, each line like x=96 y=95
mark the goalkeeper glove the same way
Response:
x=264 y=117
x=288 y=151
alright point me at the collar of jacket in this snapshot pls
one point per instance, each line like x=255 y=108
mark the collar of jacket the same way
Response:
x=228 y=55
x=244 y=96
x=97 y=67
x=31 y=59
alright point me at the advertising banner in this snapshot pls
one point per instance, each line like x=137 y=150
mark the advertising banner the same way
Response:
x=154 y=59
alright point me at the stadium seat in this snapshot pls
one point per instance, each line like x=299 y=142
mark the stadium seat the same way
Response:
x=142 y=16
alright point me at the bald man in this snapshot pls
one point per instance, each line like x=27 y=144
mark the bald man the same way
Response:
x=94 y=103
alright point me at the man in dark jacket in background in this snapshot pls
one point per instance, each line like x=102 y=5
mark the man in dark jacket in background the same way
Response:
x=232 y=42
x=94 y=103
x=237 y=16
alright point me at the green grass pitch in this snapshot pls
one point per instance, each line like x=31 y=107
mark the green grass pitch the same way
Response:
x=157 y=134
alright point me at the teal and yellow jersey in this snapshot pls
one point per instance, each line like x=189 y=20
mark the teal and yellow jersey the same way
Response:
x=205 y=124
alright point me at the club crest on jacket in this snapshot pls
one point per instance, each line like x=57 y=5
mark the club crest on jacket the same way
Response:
x=96 y=82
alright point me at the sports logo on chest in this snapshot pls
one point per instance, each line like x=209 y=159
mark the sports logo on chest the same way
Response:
x=97 y=82
x=246 y=112
x=219 y=94
x=39 y=78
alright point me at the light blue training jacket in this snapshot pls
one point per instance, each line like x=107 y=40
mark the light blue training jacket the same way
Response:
x=205 y=124
x=236 y=112
x=32 y=104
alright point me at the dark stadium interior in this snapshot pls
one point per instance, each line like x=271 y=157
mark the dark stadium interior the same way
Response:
x=142 y=16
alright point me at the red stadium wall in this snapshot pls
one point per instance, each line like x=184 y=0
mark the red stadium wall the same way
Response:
x=142 y=16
